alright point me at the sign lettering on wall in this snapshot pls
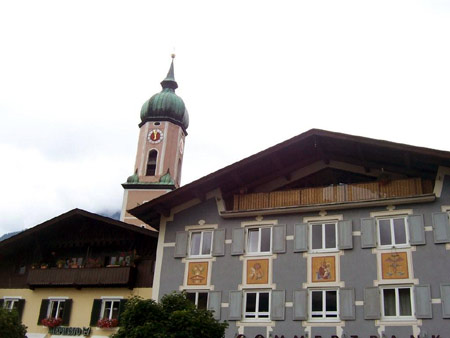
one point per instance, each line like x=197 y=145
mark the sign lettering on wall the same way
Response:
x=70 y=331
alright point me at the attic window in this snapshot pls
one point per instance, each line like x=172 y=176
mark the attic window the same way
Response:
x=151 y=163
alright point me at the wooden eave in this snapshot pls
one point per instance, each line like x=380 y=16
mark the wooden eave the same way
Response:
x=295 y=153
x=84 y=219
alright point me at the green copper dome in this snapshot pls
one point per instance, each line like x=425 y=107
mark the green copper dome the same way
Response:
x=166 y=105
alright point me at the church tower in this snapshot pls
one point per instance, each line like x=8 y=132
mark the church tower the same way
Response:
x=159 y=157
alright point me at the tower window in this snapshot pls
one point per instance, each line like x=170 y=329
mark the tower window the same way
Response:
x=151 y=163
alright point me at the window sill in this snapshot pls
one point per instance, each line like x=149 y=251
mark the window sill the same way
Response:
x=398 y=322
x=258 y=254
x=390 y=247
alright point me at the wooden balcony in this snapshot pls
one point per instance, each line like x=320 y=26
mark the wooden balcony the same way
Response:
x=369 y=191
x=82 y=277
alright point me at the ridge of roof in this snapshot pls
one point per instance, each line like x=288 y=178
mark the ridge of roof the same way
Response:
x=72 y=213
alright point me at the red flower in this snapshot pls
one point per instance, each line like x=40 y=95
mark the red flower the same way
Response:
x=51 y=322
x=107 y=323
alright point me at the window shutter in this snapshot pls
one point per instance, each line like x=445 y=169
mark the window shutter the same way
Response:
x=279 y=239
x=43 y=310
x=300 y=305
x=218 y=248
x=67 y=311
x=277 y=305
x=235 y=305
x=347 y=304
x=368 y=233
x=372 y=303
x=214 y=303
x=345 y=233
x=441 y=227
x=416 y=230
x=181 y=241
x=422 y=294
x=95 y=314
x=301 y=237
x=20 y=306
x=237 y=246
x=122 y=305
x=445 y=300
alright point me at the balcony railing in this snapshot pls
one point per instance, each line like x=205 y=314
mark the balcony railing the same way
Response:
x=333 y=194
x=82 y=277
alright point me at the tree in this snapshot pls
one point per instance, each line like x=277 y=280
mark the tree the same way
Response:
x=10 y=325
x=174 y=317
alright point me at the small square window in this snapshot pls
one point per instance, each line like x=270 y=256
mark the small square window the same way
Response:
x=397 y=302
x=393 y=232
x=259 y=240
x=200 y=243
x=324 y=305
x=56 y=308
x=11 y=303
x=323 y=236
x=257 y=305
x=110 y=309
x=200 y=299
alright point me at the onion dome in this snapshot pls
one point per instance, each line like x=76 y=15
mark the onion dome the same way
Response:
x=166 y=105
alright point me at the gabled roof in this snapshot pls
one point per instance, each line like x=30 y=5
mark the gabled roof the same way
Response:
x=71 y=217
x=297 y=152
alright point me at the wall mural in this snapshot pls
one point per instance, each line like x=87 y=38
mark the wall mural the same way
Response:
x=324 y=269
x=394 y=265
x=257 y=271
x=197 y=273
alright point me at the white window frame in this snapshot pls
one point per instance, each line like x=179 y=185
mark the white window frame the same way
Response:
x=201 y=231
x=322 y=223
x=197 y=293
x=247 y=238
x=12 y=301
x=103 y=309
x=51 y=304
x=256 y=314
x=393 y=242
x=324 y=312
x=397 y=302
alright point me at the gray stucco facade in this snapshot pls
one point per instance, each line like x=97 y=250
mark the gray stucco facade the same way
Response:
x=355 y=269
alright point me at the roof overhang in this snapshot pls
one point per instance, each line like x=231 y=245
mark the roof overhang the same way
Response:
x=297 y=152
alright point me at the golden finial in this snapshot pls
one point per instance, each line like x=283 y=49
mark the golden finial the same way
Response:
x=172 y=55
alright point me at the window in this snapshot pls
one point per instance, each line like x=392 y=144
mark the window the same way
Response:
x=259 y=240
x=11 y=304
x=110 y=309
x=393 y=232
x=106 y=311
x=200 y=299
x=324 y=236
x=55 y=308
x=151 y=163
x=200 y=243
x=323 y=305
x=257 y=305
x=397 y=302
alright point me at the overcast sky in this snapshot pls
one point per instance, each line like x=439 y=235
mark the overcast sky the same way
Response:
x=74 y=75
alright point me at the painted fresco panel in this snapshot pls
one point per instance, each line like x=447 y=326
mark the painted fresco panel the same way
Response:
x=197 y=273
x=323 y=269
x=258 y=271
x=394 y=265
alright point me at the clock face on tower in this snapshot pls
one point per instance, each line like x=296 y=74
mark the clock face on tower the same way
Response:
x=155 y=136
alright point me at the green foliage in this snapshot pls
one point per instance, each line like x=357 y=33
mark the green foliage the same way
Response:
x=174 y=317
x=10 y=325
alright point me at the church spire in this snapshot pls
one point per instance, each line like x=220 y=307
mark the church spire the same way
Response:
x=169 y=81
